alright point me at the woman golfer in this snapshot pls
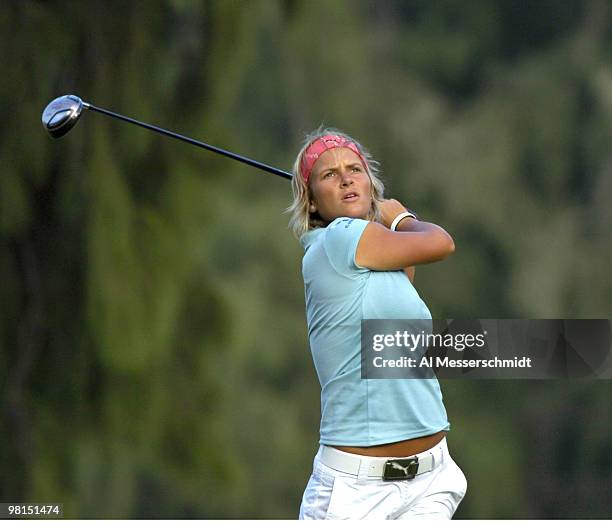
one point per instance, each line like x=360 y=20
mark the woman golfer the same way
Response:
x=383 y=451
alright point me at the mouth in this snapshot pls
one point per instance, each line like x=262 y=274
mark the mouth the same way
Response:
x=350 y=197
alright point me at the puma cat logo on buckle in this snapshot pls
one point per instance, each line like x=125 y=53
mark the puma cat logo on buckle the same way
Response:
x=401 y=469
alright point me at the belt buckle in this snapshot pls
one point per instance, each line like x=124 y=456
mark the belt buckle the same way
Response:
x=401 y=469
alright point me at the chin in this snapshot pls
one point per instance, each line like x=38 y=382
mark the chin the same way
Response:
x=348 y=212
x=358 y=212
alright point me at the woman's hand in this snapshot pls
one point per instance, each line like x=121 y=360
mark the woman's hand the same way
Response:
x=389 y=209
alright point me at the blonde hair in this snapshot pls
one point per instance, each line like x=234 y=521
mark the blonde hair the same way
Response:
x=302 y=220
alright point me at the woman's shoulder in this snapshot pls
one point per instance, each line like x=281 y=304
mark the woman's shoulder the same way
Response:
x=345 y=228
x=311 y=236
x=347 y=222
x=337 y=230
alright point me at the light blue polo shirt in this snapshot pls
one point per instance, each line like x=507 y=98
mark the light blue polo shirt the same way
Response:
x=339 y=294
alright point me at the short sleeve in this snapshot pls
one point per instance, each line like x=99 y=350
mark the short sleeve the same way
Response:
x=341 y=239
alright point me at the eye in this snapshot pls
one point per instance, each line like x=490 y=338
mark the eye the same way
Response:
x=329 y=174
x=357 y=168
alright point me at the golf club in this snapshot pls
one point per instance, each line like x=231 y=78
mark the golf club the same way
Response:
x=62 y=114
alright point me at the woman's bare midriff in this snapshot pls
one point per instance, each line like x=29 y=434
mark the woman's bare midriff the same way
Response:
x=404 y=448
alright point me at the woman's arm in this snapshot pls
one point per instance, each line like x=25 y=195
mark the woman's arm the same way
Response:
x=413 y=243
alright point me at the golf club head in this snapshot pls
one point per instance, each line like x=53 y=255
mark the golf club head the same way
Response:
x=62 y=114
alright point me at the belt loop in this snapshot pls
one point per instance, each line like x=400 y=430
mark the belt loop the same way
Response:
x=443 y=450
x=364 y=468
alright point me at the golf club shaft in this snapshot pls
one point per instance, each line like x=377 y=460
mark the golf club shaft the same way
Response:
x=245 y=160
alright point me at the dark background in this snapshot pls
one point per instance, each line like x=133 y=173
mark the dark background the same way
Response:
x=153 y=349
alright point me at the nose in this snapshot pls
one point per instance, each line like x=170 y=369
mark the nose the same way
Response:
x=346 y=179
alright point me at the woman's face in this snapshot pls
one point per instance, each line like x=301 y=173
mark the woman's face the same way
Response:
x=340 y=186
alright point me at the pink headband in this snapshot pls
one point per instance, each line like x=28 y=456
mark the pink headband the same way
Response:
x=322 y=144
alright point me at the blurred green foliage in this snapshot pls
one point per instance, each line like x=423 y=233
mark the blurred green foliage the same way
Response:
x=154 y=358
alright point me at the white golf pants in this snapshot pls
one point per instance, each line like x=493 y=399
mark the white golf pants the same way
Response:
x=332 y=494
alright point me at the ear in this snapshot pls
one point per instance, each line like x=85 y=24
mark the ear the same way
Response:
x=312 y=207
